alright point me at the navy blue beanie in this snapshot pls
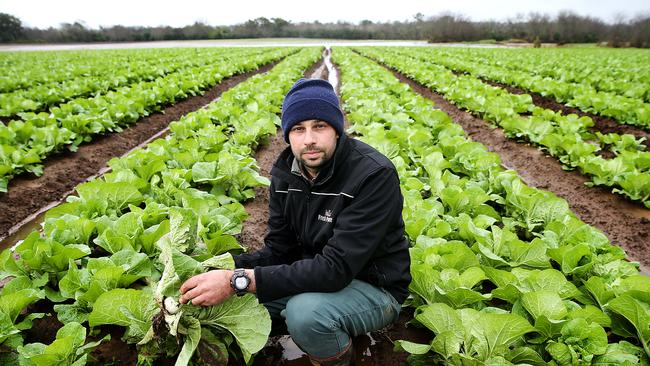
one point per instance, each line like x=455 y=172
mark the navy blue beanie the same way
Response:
x=311 y=99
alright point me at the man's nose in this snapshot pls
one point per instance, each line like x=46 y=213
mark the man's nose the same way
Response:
x=309 y=137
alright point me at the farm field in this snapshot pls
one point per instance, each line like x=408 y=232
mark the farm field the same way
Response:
x=526 y=182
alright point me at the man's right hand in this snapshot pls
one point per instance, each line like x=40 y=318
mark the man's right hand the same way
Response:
x=211 y=288
x=207 y=289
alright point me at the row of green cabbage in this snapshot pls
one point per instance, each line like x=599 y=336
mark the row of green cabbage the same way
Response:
x=566 y=137
x=22 y=70
x=25 y=143
x=619 y=106
x=625 y=72
x=117 y=252
x=110 y=74
x=503 y=274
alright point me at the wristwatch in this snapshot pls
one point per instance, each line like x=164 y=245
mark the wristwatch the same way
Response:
x=240 y=281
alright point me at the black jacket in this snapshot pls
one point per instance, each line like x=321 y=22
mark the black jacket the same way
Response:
x=347 y=224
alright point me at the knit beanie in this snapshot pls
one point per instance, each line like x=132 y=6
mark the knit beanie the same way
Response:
x=311 y=99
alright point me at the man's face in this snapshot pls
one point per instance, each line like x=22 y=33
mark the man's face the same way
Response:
x=313 y=143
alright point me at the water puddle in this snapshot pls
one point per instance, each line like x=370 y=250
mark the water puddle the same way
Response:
x=318 y=73
x=333 y=76
x=291 y=354
x=20 y=231
x=364 y=348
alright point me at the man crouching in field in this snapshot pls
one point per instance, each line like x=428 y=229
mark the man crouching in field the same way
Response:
x=335 y=262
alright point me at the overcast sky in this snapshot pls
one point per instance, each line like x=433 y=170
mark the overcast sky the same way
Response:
x=51 y=13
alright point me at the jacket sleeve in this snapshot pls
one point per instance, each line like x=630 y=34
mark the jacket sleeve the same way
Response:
x=358 y=231
x=280 y=243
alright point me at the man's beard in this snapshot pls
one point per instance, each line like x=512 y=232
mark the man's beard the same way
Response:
x=315 y=165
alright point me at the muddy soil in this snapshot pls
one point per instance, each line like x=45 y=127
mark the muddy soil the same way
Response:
x=28 y=194
x=625 y=223
x=254 y=228
x=601 y=124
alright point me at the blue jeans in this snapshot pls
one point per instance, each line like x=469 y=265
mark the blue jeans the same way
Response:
x=321 y=324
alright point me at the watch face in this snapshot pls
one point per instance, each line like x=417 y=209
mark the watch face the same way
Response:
x=241 y=283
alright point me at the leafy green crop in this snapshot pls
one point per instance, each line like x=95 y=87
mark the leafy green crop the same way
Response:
x=92 y=75
x=503 y=273
x=117 y=252
x=69 y=348
x=564 y=136
x=577 y=79
x=25 y=143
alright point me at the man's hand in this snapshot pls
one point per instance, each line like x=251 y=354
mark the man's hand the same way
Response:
x=211 y=288
x=207 y=289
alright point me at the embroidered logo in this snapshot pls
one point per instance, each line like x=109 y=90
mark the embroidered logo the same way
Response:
x=327 y=217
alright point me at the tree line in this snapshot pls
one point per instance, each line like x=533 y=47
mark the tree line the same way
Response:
x=565 y=27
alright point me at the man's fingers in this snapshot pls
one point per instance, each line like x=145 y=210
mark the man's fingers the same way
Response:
x=189 y=284
x=190 y=295
x=200 y=300
x=205 y=289
x=182 y=299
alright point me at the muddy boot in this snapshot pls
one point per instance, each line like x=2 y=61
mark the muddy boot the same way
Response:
x=344 y=358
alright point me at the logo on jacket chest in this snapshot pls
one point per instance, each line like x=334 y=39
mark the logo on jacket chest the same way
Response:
x=327 y=217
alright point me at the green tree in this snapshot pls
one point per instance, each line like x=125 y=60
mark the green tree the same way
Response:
x=279 y=25
x=10 y=28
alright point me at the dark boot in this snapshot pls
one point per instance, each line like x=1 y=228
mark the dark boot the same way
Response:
x=344 y=358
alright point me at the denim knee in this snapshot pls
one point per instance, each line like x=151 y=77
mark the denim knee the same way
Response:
x=311 y=324
x=305 y=314
x=321 y=323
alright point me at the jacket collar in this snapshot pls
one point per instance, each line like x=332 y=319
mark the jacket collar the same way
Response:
x=283 y=166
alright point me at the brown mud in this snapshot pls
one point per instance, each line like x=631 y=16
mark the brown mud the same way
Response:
x=63 y=171
x=625 y=223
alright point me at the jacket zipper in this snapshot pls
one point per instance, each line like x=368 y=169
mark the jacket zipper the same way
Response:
x=308 y=214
